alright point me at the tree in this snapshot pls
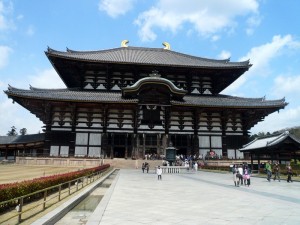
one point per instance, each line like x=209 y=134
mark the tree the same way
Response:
x=23 y=131
x=12 y=132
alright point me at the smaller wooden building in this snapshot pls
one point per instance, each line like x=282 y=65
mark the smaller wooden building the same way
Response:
x=21 y=145
x=281 y=147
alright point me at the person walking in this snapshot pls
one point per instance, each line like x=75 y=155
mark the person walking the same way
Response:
x=235 y=172
x=268 y=170
x=143 y=167
x=289 y=173
x=276 y=171
x=158 y=172
x=246 y=175
x=240 y=175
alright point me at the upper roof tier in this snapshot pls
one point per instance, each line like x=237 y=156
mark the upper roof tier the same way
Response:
x=147 y=56
x=74 y=66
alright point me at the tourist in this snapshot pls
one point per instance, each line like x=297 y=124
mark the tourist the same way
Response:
x=289 y=173
x=246 y=175
x=268 y=168
x=241 y=172
x=276 y=171
x=158 y=172
x=235 y=176
x=196 y=166
x=143 y=167
x=147 y=167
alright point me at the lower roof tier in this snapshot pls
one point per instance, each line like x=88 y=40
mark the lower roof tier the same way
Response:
x=75 y=95
x=40 y=101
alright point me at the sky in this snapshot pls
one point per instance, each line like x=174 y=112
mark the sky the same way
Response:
x=266 y=32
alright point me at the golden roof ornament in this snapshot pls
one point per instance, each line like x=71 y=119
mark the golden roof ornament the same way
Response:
x=167 y=45
x=124 y=43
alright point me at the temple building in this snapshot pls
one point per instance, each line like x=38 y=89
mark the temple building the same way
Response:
x=130 y=101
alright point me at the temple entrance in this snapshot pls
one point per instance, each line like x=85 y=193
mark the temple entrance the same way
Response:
x=181 y=151
x=119 y=152
x=151 y=153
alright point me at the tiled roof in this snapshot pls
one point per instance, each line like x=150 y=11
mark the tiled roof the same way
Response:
x=269 y=141
x=68 y=95
x=109 y=97
x=230 y=101
x=146 y=56
x=22 y=139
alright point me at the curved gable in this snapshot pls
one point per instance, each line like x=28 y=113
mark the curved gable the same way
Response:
x=153 y=87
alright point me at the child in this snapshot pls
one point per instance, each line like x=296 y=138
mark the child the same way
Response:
x=246 y=176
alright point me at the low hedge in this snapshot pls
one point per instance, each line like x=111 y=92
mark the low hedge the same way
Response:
x=14 y=190
x=222 y=168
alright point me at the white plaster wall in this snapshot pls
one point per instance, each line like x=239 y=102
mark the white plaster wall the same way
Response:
x=64 y=151
x=94 y=151
x=216 y=142
x=95 y=139
x=80 y=151
x=204 y=142
x=81 y=139
x=54 y=150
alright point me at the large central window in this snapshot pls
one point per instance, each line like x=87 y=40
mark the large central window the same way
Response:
x=151 y=116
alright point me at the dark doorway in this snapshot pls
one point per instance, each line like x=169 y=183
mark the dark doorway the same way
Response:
x=181 y=151
x=119 y=152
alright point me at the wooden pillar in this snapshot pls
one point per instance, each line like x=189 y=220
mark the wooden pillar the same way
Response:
x=144 y=145
x=195 y=147
x=112 y=146
x=157 y=144
x=189 y=143
x=258 y=161
x=73 y=131
x=224 y=120
x=133 y=145
x=88 y=145
x=251 y=157
x=126 y=145
x=137 y=146
x=6 y=152
x=48 y=122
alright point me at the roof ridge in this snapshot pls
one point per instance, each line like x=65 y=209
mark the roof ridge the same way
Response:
x=54 y=89
x=50 y=50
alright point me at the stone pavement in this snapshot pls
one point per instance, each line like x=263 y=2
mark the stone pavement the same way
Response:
x=199 y=197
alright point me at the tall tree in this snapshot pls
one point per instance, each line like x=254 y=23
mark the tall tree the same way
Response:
x=12 y=132
x=23 y=131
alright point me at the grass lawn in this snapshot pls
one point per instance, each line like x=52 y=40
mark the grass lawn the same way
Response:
x=14 y=173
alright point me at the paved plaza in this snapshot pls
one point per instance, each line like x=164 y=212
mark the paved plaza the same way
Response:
x=206 y=198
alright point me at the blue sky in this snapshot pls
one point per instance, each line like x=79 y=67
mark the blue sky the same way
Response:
x=264 y=31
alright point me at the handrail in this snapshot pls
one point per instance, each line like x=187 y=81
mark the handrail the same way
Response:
x=57 y=194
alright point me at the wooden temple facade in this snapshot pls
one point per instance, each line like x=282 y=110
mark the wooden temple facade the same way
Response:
x=130 y=101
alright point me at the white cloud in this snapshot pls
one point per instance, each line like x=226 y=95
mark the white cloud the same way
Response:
x=30 y=31
x=46 y=79
x=115 y=8
x=19 y=116
x=207 y=17
x=5 y=11
x=15 y=115
x=5 y=51
x=224 y=55
x=215 y=38
x=253 y=22
x=287 y=85
x=261 y=56
x=276 y=121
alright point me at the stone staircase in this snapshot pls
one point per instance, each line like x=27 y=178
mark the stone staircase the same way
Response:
x=132 y=164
